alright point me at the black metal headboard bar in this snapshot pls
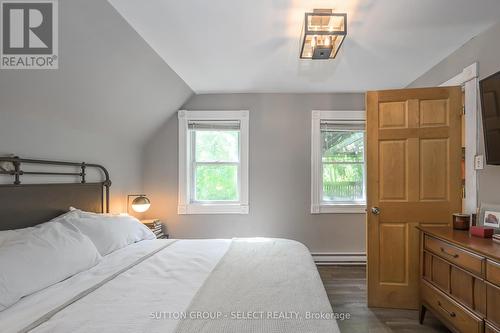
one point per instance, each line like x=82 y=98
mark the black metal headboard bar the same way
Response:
x=17 y=172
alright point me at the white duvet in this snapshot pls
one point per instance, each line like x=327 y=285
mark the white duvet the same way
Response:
x=146 y=286
x=165 y=282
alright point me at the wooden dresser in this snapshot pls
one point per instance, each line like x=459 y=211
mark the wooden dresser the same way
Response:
x=460 y=280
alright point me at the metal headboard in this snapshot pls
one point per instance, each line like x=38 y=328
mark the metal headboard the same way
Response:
x=27 y=204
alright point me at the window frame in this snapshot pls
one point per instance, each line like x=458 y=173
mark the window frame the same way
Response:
x=194 y=164
x=186 y=202
x=318 y=206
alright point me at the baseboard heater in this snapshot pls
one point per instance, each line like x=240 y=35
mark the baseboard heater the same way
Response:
x=358 y=258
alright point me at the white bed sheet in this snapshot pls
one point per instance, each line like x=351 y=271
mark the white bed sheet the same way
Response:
x=166 y=283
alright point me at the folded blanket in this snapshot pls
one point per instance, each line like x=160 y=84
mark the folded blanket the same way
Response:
x=261 y=285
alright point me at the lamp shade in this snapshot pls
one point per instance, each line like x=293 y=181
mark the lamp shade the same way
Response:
x=141 y=204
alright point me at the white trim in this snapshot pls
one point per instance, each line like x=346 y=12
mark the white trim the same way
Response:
x=317 y=207
x=470 y=72
x=339 y=258
x=213 y=209
x=185 y=206
x=468 y=78
x=341 y=209
x=339 y=115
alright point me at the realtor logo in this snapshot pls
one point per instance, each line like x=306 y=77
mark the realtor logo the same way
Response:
x=29 y=36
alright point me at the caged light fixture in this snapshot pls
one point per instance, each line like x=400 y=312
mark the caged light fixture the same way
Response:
x=323 y=34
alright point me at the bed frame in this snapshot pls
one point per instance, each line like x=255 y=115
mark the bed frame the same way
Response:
x=26 y=205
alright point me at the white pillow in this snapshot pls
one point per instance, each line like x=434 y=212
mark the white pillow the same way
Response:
x=7 y=235
x=109 y=232
x=73 y=212
x=36 y=258
x=10 y=235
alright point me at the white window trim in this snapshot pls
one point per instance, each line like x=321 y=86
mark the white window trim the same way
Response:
x=185 y=206
x=317 y=206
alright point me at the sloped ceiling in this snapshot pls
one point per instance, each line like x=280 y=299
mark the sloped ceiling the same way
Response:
x=253 y=46
x=109 y=81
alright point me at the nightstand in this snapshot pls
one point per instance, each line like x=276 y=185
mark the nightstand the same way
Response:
x=156 y=227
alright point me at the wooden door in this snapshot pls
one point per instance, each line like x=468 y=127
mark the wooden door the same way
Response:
x=413 y=178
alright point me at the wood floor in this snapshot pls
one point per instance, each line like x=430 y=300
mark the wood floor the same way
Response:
x=346 y=288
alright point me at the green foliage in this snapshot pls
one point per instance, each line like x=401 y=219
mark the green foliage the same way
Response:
x=343 y=170
x=217 y=146
x=342 y=182
x=216 y=182
x=342 y=146
x=333 y=173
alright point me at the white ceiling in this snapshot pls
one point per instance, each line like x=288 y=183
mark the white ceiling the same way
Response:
x=253 y=45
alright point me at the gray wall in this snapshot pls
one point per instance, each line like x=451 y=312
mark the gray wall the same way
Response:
x=485 y=49
x=110 y=93
x=280 y=172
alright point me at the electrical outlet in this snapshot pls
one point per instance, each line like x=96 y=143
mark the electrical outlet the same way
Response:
x=479 y=162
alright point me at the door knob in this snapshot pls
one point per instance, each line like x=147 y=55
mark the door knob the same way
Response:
x=375 y=210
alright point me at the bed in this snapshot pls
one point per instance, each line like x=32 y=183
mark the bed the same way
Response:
x=162 y=285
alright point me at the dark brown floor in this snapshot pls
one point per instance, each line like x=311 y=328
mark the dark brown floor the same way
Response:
x=346 y=288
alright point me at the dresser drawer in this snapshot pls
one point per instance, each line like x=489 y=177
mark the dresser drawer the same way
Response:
x=462 y=319
x=491 y=329
x=440 y=273
x=493 y=272
x=467 y=260
x=493 y=304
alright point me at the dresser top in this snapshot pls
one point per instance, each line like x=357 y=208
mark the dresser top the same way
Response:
x=486 y=247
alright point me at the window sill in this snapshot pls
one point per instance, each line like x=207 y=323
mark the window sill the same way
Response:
x=338 y=209
x=212 y=209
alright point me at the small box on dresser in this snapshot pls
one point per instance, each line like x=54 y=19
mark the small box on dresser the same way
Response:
x=460 y=280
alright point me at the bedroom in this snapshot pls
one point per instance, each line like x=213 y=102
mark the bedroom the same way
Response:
x=132 y=84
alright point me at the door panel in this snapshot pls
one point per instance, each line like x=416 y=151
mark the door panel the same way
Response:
x=393 y=170
x=434 y=181
x=393 y=115
x=413 y=177
x=393 y=234
x=434 y=113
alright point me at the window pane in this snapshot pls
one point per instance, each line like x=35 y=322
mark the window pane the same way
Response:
x=213 y=146
x=342 y=146
x=216 y=183
x=343 y=182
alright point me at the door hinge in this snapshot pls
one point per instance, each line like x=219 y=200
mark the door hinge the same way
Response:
x=463 y=109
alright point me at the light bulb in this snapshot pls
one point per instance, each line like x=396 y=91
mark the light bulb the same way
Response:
x=140 y=208
x=141 y=204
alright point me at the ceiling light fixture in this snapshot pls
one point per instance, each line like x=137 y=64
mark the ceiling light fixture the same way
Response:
x=323 y=34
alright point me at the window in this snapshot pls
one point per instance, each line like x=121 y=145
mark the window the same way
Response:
x=338 y=162
x=213 y=162
x=215 y=158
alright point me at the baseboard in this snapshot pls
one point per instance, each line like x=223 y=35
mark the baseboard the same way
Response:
x=339 y=258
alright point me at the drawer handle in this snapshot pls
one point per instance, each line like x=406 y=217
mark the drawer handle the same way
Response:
x=451 y=314
x=453 y=255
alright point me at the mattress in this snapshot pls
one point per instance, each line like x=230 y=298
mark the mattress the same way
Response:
x=246 y=285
